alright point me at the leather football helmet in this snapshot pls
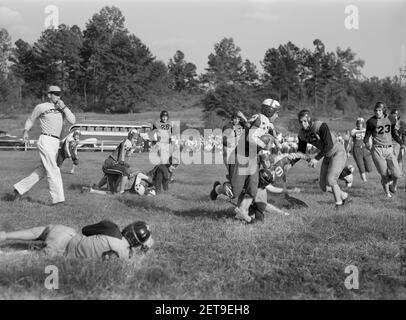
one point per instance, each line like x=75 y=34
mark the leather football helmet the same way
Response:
x=137 y=233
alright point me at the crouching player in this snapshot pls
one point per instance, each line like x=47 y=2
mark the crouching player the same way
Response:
x=161 y=174
x=270 y=197
x=69 y=149
x=100 y=240
x=116 y=167
x=243 y=171
x=138 y=183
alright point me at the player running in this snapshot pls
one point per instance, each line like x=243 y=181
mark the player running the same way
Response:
x=243 y=170
x=318 y=134
x=361 y=154
x=383 y=130
x=69 y=149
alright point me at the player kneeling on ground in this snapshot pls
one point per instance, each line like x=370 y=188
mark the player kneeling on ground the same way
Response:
x=100 y=240
x=138 y=183
x=117 y=164
x=69 y=149
x=161 y=174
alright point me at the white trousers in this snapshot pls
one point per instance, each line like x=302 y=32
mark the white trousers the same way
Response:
x=48 y=151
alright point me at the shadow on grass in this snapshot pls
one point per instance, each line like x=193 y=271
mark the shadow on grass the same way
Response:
x=141 y=202
x=9 y=197
x=77 y=186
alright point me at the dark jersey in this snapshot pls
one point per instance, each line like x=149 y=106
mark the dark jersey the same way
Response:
x=160 y=177
x=318 y=135
x=382 y=130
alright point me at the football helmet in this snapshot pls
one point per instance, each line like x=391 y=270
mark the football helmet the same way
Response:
x=266 y=177
x=139 y=189
x=269 y=107
x=360 y=121
x=395 y=112
x=132 y=133
x=164 y=113
x=136 y=233
x=305 y=114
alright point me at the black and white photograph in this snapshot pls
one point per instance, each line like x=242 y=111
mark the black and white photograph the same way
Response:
x=219 y=152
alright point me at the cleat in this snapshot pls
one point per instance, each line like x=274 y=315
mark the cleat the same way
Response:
x=347 y=200
x=213 y=193
x=228 y=190
x=388 y=195
x=392 y=188
x=242 y=215
x=58 y=204
x=338 y=207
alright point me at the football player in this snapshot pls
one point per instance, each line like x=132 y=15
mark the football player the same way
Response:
x=138 y=183
x=161 y=174
x=243 y=169
x=69 y=149
x=401 y=128
x=361 y=154
x=382 y=128
x=117 y=164
x=318 y=134
x=231 y=134
x=97 y=241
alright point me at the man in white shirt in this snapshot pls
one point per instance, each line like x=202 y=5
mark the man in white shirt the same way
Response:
x=51 y=116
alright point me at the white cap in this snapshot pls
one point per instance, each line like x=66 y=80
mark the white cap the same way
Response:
x=271 y=103
x=54 y=89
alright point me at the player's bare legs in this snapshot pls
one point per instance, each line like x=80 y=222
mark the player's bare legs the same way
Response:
x=28 y=234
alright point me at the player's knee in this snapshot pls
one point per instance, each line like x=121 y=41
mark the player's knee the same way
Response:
x=331 y=180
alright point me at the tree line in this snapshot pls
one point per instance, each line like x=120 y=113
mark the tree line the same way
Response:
x=105 y=68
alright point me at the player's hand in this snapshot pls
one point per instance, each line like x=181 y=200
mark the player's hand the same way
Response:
x=295 y=190
x=313 y=163
x=25 y=135
x=60 y=104
x=368 y=146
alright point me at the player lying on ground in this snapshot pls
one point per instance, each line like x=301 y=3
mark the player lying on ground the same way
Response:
x=69 y=149
x=138 y=183
x=100 y=240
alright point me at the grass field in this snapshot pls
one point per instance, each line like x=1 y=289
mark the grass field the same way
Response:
x=200 y=251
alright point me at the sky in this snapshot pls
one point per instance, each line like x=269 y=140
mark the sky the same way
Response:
x=194 y=26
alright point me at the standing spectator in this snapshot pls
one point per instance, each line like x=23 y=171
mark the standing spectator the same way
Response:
x=51 y=116
x=383 y=130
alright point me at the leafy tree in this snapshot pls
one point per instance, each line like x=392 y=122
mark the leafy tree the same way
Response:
x=182 y=74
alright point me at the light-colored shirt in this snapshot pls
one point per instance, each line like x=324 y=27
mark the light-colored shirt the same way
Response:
x=50 y=118
x=81 y=246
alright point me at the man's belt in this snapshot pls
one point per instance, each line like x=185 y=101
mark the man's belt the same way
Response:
x=50 y=135
x=382 y=146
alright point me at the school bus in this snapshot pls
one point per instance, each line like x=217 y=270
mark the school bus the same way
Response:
x=106 y=135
